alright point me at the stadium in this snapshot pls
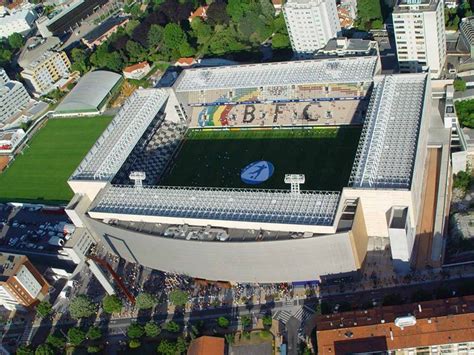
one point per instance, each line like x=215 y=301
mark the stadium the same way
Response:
x=274 y=172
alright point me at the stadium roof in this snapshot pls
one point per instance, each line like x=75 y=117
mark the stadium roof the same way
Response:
x=334 y=70
x=387 y=149
x=89 y=92
x=118 y=140
x=252 y=205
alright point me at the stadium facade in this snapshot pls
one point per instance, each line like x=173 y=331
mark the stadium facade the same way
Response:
x=252 y=235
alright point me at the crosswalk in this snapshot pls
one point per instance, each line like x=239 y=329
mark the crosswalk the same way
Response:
x=302 y=314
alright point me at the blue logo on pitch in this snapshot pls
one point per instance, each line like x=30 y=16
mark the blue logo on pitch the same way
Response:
x=257 y=172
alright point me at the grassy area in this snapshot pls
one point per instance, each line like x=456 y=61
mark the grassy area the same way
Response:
x=215 y=158
x=40 y=174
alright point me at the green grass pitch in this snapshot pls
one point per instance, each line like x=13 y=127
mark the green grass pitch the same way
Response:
x=215 y=158
x=40 y=174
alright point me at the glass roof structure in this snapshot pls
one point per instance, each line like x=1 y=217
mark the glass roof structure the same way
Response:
x=386 y=154
x=118 y=140
x=334 y=70
x=250 y=205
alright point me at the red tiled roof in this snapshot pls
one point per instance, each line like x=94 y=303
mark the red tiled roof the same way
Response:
x=439 y=322
x=188 y=60
x=200 y=12
x=206 y=345
x=132 y=68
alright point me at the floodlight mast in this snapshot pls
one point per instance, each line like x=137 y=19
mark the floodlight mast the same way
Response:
x=295 y=180
x=137 y=177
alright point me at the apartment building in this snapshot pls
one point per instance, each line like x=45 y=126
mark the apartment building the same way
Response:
x=432 y=327
x=43 y=74
x=21 y=284
x=19 y=21
x=420 y=36
x=311 y=24
x=13 y=97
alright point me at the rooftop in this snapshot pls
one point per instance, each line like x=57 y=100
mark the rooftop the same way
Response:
x=265 y=206
x=387 y=148
x=104 y=27
x=437 y=322
x=207 y=345
x=114 y=145
x=416 y=5
x=89 y=92
x=138 y=66
x=34 y=49
x=333 y=70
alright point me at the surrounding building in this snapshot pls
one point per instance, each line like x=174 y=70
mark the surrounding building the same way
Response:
x=185 y=62
x=20 y=21
x=311 y=24
x=35 y=47
x=193 y=229
x=420 y=36
x=136 y=71
x=433 y=327
x=466 y=30
x=9 y=140
x=102 y=32
x=21 y=284
x=90 y=95
x=67 y=18
x=343 y=47
x=43 y=74
x=350 y=6
x=13 y=97
x=207 y=345
x=277 y=5
x=200 y=12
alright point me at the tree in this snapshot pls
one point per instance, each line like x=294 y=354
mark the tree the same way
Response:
x=235 y=10
x=459 y=84
x=24 y=350
x=245 y=320
x=134 y=343
x=82 y=307
x=462 y=180
x=173 y=35
x=93 y=333
x=166 y=347
x=201 y=30
x=223 y=322
x=145 y=301
x=79 y=60
x=181 y=345
x=152 y=329
x=280 y=41
x=112 y=304
x=217 y=13
x=76 y=336
x=155 y=36
x=267 y=321
x=229 y=338
x=92 y=349
x=44 y=349
x=44 y=309
x=172 y=327
x=16 y=40
x=5 y=56
x=135 y=331
x=135 y=51
x=130 y=26
x=56 y=341
x=178 y=297
x=465 y=112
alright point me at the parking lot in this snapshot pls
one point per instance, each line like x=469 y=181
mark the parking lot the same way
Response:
x=32 y=228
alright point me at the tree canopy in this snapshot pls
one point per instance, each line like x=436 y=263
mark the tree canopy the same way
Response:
x=76 y=336
x=152 y=329
x=56 y=341
x=172 y=327
x=112 y=304
x=44 y=309
x=459 y=84
x=135 y=331
x=223 y=322
x=16 y=40
x=465 y=112
x=44 y=349
x=145 y=300
x=93 y=333
x=82 y=307
x=178 y=297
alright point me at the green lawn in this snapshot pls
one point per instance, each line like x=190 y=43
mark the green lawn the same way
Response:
x=215 y=158
x=40 y=174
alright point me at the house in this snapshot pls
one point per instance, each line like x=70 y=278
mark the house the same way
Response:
x=200 y=12
x=207 y=345
x=136 y=71
x=185 y=62
x=277 y=4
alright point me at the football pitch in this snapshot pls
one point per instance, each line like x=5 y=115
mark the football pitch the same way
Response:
x=40 y=174
x=216 y=158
